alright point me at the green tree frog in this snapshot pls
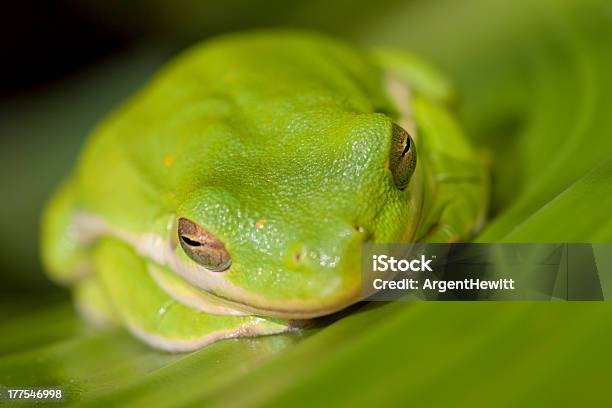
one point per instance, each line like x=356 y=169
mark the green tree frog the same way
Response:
x=231 y=196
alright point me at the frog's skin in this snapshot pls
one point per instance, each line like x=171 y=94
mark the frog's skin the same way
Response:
x=270 y=157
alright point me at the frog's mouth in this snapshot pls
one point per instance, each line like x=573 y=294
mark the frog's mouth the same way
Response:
x=221 y=290
x=219 y=304
x=335 y=294
x=295 y=308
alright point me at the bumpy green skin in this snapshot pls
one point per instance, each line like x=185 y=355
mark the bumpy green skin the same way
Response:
x=277 y=143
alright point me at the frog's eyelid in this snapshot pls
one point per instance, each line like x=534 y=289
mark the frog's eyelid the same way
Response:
x=402 y=160
x=202 y=246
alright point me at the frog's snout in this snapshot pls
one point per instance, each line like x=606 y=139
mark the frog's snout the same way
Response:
x=328 y=268
x=332 y=253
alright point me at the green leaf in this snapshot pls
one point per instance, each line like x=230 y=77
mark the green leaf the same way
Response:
x=575 y=215
x=437 y=354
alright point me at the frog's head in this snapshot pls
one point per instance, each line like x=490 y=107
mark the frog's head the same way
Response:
x=276 y=227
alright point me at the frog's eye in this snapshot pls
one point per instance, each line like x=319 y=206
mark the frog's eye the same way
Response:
x=402 y=161
x=202 y=246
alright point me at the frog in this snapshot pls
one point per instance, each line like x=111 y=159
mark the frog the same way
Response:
x=231 y=196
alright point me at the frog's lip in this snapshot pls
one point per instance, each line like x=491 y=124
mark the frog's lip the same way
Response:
x=294 y=308
x=244 y=300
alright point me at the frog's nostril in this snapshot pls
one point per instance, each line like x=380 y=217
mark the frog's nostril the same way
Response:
x=297 y=256
x=363 y=234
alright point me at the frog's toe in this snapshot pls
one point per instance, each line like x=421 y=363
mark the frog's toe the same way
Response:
x=92 y=303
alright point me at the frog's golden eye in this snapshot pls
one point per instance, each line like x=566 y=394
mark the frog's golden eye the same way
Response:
x=202 y=246
x=403 y=157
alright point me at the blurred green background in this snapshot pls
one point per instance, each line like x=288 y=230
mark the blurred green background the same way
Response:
x=534 y=80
